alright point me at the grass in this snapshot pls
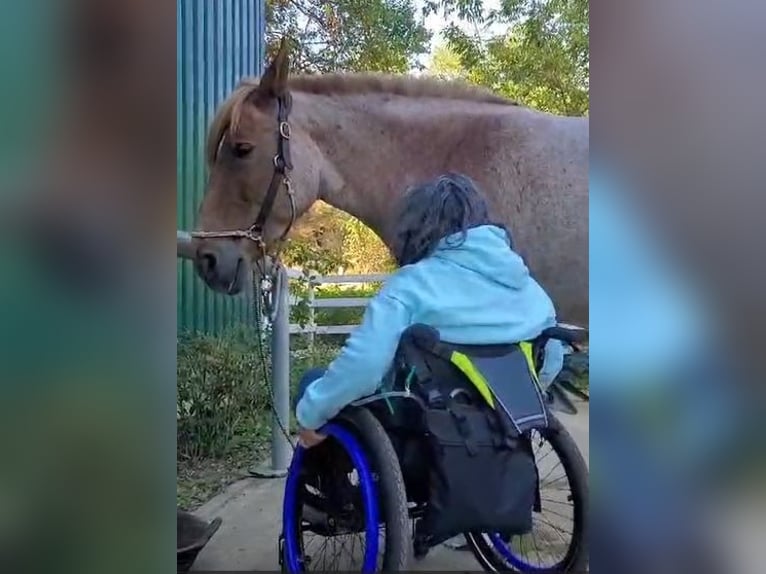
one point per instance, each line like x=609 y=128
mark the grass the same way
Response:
x=201 y=479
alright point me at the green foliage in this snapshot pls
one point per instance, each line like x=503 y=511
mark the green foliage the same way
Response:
x=542 y=60
x=343 y=316
x=314 y=258
x=223 y=401
x=340 y=291
x=309 y=253
x=354 y=35
x=220 y=392
x=447 y=64
x=304 y=357
x=224 y=407
x=365 y=252
x=328 y=239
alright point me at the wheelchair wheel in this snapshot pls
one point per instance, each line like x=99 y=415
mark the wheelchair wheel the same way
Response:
x=345 y=506
x=559 y=538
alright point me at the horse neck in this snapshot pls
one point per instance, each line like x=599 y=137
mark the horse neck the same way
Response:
x=374 y=146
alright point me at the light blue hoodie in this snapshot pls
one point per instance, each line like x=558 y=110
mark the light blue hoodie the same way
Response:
x=479 y=292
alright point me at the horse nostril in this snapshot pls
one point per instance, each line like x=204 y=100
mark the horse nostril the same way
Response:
x=208 y=262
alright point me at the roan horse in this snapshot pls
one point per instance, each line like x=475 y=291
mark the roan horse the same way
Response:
x=357 y=141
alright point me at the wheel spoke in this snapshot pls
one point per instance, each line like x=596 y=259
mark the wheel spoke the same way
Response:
x=552 y=501
x=537 y=551
x=550 y=471
x=549 y=511
x=555 y=529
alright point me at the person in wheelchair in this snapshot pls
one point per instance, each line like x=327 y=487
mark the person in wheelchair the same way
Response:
x=459 y=274
x=436 y=413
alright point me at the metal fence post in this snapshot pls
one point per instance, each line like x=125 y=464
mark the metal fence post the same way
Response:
x=312 y=315
x=280 y=383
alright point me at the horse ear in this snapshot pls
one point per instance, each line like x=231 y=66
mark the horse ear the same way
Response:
x=273 y=83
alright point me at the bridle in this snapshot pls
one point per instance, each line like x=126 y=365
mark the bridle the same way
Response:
x=282 y=165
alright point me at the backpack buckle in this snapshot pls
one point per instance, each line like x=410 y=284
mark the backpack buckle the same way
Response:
x=435 y=399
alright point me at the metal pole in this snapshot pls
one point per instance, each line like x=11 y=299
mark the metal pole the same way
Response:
x=280 y=382
x=312 y=315
x=280 y=350
x=184 y=245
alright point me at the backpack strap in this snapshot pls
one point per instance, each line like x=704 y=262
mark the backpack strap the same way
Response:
x=461 y=421
x=505 y=435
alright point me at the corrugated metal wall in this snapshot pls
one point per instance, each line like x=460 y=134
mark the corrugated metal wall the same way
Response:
x=219 y=42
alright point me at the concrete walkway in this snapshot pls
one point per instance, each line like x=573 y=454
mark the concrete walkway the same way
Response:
x=251 y=512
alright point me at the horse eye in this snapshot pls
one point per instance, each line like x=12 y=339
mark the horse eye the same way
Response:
x=242 y=150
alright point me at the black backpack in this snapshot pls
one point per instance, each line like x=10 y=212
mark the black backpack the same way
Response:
x=477 y=406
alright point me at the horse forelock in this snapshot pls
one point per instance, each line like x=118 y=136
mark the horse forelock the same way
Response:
x=228 y=116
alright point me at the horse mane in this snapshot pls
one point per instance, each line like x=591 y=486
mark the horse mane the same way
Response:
x=408 y=86
x=230 y=111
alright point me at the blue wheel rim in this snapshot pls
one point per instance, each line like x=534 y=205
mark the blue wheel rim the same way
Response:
x=290 y=518
x=504 y=550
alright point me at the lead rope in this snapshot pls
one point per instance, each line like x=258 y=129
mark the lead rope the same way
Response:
x=259 y=295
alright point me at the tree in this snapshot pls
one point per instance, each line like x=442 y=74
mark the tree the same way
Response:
x=350 y=35
x=447 y=64
x=365 y=252
x=542 y=59
x=327 y=239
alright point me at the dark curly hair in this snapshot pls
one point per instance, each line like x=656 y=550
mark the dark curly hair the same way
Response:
x=448 y=205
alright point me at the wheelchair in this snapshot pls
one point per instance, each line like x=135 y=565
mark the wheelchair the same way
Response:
x=352 y=502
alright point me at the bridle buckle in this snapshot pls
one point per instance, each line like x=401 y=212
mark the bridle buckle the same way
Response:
x=254 y=234
x=284 y=130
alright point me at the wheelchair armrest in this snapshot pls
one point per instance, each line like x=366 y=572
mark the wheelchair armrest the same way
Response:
x=568 y=335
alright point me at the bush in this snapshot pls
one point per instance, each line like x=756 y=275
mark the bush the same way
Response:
x=221 y=393
x=303 y=357
x=343 y=316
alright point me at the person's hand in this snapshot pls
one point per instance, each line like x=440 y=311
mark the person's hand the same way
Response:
x=308 y=438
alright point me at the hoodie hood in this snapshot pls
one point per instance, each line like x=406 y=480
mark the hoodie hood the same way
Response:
x=486 y=251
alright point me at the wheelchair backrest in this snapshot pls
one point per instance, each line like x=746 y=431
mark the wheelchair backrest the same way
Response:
x=501 y=376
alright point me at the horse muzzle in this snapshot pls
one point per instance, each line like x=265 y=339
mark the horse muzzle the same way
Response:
x=220 y=264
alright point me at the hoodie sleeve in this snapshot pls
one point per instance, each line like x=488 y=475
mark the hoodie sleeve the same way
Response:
x=361 y=364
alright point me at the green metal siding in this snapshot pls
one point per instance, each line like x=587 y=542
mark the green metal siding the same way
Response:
x=219 y=42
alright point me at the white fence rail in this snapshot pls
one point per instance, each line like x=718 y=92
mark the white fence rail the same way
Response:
x=314 y=302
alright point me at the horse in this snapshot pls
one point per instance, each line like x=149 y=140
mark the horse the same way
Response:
x=357 y=141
